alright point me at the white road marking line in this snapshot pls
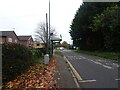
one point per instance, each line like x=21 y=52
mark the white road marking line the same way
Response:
x=116 y=65
x=96 y=62
x=74 y=73
x=82 y=57
x=76 y=82
x=76 y=57
x=87 y=81
x=117 y=79
x=102 y=64
x=73 y=70
x=99 y=60
x=107 y=66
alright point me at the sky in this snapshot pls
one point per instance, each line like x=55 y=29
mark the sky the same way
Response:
x=23 y=16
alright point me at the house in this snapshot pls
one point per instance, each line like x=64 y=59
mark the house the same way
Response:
x=26 y=41
x=8 y=37
x=11 y=37
x=38 y=45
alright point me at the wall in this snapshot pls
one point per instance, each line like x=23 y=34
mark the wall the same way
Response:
x=23 y=43
x=14 y=37
x=2 y=40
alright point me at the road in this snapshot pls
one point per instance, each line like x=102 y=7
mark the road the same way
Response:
x=95 y=72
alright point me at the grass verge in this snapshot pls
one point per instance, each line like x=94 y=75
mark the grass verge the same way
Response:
x=58 y=53
x=107 y=55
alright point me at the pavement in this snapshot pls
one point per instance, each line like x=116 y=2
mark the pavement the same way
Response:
x=63 y=75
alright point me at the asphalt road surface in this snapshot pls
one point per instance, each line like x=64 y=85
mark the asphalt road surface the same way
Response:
x=95 y=72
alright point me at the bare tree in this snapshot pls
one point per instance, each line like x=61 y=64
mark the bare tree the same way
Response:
x=41 y=33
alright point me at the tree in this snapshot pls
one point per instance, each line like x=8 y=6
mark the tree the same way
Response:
x=65 y=44
x=41 y=32
x=107 y=23
x=82 y=35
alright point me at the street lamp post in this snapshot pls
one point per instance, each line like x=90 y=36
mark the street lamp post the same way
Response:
x=50 y=51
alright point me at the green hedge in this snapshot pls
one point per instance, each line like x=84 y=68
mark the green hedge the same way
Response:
x=16 y=51
x=37 y=56
x=16 y=59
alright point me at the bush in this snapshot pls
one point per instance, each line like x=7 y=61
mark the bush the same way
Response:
x=15 y=60
x=36 y=53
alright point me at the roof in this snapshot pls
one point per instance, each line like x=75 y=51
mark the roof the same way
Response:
x=24 y=37
x=55 y=38
x=6 y=33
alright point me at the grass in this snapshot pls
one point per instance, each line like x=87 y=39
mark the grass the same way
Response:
x=58 y=53
x=107 y=55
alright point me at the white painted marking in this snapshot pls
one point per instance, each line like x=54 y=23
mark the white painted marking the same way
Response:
x=117 y=79
x=116 y=65
x=99 y=60
x=80 y=58
x=76 y=82
x=102 y=64
x=107 y=66
x=98 y=63
x=87 y=81
x=73 y=70
x=78 y=86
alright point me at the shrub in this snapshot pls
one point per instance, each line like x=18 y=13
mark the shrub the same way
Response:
x=36 y=53
x=15 y=60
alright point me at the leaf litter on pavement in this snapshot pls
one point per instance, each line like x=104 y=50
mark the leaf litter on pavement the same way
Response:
x=38 y=76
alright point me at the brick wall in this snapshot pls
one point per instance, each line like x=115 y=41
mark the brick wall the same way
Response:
x=2 y=40
x=14 y=38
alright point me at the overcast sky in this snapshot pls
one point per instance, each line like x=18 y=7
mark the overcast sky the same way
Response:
x=24 y=15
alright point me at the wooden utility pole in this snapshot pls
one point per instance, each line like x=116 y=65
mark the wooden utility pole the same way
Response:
x=47 y=47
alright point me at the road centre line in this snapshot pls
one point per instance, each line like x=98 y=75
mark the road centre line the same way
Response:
x=97 y=62
x=81 y=57
x=117 y=79
x=107 y=66
x=101 y=64
x=116 y=65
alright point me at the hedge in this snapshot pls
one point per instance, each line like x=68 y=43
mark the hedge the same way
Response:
x=16 y=59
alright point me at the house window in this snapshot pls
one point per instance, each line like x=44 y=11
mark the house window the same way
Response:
x=9 y=39
x=15 y=41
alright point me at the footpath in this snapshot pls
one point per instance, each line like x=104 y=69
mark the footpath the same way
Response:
x=63 y=75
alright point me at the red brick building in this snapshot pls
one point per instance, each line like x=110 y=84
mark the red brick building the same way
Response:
x=8 y=37
x=26 y=41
